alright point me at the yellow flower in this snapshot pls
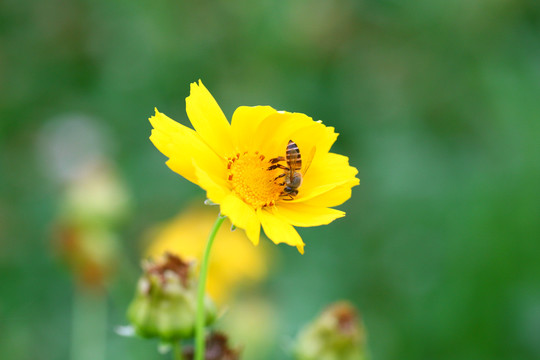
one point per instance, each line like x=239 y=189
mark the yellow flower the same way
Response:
x=233 y=262
x=231 y=162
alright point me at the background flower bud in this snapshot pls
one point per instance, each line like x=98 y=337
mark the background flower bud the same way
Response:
x=337 y=334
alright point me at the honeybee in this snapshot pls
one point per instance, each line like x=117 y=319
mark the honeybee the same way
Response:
x=293 y=173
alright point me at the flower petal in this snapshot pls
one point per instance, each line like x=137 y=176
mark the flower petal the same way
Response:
x=216 y=188
x=334 y=197
x=280 y=231
x=300 y=214
x=181 y=145
x=312 y=137
x=316 y=136
x=274 y=132
x=245 y=121
x=242 y=216
x=208 y=120
x=326 y=173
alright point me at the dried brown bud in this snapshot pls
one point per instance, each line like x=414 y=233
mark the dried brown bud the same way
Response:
x=217 y=348
x=169 y=262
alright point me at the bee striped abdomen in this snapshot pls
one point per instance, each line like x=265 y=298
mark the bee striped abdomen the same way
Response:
x=294 y=160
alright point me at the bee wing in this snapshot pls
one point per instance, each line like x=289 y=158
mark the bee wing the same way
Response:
x=308 y=160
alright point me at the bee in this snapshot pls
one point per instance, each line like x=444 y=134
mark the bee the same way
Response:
x=293 y=173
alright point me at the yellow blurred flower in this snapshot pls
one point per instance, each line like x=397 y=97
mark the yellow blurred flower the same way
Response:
x=243 y=168
x=233 y=262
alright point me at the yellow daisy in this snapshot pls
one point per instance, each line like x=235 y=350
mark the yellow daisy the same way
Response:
x=244 y=165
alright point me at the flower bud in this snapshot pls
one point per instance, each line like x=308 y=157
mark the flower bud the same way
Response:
x=216 y=348
x=98 y=198
x=84 y=233
x=165 y=303
x=91 y=254
x=336 y=335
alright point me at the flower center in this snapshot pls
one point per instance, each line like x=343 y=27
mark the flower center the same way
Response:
x=252 y=181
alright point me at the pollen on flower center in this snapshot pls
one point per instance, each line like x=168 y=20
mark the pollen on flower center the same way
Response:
x=252 y=181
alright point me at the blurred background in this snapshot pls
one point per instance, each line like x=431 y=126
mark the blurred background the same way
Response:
x=438 y=107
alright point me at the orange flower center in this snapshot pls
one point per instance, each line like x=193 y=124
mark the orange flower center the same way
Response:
x=252 y=181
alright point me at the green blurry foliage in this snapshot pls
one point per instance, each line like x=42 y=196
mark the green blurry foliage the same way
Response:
x=437 y=106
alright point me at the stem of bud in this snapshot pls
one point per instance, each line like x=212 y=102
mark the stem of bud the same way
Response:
x=199 y=327
x=177 y=351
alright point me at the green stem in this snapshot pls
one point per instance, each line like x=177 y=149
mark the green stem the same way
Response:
x=177 y=349
x=199 y=327
x=89 y=325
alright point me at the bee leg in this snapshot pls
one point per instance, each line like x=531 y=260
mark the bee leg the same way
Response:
x=290 y=197
x=276 y=160
x=278 y=166
x=280 y=176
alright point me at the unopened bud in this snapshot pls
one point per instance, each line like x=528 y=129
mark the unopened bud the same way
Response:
x=337 y=334
x=165 y=303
